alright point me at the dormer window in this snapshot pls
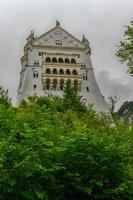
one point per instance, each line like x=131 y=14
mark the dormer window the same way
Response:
x=58 y=42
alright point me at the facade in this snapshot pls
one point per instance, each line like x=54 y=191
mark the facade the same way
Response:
x=53 y=59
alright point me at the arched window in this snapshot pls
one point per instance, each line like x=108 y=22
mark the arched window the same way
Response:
x=74 y=72
x=76 y=83
x=61 y=84
x=54 y=84
x=68 y=71
x=54 y=60
x=67 y=60
x=61 y=71
x=69 y=82
x=54 y=71
x=73 y=60
x=40 y=53
x=60 y=60
x=48 y=59
x=48 y=71
x=47 y=83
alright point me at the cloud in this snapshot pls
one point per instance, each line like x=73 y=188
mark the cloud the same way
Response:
x=111 y=86
x=102 y=22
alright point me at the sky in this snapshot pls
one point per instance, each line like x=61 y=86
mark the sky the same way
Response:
x=102 y=21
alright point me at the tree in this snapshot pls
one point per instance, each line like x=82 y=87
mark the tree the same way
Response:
x=125 y=112
x=125 y=49
x=72 y=100
x=4 y=98
x=49 y=155
x=112 y=101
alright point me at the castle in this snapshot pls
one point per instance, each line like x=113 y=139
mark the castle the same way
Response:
x=55 y=58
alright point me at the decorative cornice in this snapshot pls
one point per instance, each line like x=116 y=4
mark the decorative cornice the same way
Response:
x=61 y=64
x=59 y=48
x=44 y=75
x=60 y=54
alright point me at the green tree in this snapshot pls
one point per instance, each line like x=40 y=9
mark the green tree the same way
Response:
x=4 y=98
x=125 y=49
x=125 y=112
x=48 y=153
x=112 y=101
x=72 y=100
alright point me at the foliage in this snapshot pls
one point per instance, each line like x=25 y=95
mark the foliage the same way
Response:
x=112 y=101
x=72 y=100
x=53 y=152
x=4 y=99
x=125 y=49
x=126 y=111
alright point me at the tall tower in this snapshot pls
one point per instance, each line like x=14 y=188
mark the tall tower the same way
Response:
x=55 y=58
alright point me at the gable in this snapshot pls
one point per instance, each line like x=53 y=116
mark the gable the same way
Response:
x=58 y=37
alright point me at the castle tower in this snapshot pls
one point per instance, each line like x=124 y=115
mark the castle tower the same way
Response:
x=55 y=58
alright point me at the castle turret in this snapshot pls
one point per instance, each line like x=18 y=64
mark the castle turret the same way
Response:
x=55 y=58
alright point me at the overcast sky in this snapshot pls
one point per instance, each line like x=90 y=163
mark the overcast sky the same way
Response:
x=102 y=21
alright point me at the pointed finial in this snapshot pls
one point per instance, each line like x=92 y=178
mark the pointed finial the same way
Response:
x=83 y=38
x=57 y=23
x=32 y=33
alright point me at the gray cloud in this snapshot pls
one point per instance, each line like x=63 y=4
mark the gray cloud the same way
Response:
x=101 y=21
x=111 y=87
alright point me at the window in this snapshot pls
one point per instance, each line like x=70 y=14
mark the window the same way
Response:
x=34 y=86
x=61 y=84
x=69 y=82
x=35 y=74
x=48 y=71
x=58 y=42
x=54 y=60
x=73 y=60
x=85 y=78
x=48 y=59
x=54 y=71
x=40 y=53
x=67 y=60
x=60 y=60
x=74 y=72
x=55 y=84
x=76 y=83
x=87 y=88
x=47 y=83
x=36 y=62
x=61 y=71
x=68 y=71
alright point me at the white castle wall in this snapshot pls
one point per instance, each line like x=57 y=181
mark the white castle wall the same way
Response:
x=27 y=80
